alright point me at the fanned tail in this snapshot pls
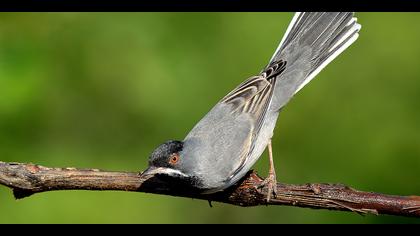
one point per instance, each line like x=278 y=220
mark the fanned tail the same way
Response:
x=322 y=35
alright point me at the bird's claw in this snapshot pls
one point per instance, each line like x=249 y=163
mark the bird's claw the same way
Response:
x=271 y=183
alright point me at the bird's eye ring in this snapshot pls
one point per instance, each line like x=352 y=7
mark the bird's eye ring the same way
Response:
x=174 y=158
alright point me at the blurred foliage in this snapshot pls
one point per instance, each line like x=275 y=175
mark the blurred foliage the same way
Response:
x=103 y=90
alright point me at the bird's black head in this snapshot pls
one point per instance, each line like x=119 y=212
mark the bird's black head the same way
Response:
x=166 y=159
x=167 y=162
x=167 y=154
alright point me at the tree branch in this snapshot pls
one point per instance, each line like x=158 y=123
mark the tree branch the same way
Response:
x=27 y=179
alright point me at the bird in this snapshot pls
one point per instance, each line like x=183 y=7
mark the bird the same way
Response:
x=224 y=145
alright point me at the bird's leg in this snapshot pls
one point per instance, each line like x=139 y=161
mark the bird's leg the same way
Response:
x=271 y=180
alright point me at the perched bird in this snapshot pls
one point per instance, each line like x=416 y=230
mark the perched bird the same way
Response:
x=224 y=145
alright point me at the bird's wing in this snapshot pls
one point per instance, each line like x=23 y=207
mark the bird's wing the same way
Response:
x=225 y=136
x=253 y=97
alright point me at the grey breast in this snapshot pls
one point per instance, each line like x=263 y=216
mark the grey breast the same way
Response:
x=217 y=144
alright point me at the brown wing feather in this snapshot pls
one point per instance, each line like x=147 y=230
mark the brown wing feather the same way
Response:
x=253 y=96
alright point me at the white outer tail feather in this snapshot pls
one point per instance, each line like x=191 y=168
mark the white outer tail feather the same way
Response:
x=329 y=59
x=353 y=31
x=292 y=23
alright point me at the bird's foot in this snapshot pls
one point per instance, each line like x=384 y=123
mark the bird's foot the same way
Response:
x=271 y=183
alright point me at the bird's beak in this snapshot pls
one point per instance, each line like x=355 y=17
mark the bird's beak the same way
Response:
x=149 y=171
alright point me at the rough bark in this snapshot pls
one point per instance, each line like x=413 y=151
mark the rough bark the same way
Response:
x=28 y=179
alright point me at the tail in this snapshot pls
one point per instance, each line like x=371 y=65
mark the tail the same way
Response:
x=312 y=41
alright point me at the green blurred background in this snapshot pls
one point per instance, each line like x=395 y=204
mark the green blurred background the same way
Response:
x=102 y=90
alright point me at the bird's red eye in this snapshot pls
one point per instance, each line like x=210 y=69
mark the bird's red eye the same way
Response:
x=174 y=158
